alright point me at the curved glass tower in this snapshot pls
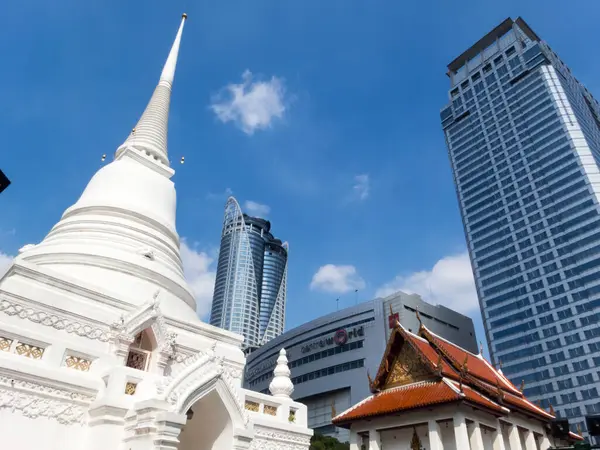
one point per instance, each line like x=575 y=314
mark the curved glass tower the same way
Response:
x=250 y=287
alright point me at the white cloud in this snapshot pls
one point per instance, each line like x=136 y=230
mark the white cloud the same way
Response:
x=361 y=186
x=251 y=105
x=200 y=274
x=254 y=208
x=5 y=261
x=449 y=283
x=336 y=279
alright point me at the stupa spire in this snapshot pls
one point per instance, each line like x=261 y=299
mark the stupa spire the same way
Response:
x=150 y=134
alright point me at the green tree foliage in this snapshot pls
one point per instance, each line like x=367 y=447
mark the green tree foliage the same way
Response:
x=320 y=442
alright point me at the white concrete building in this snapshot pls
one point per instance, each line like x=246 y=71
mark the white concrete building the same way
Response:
x=431 y=394
x=100 y=345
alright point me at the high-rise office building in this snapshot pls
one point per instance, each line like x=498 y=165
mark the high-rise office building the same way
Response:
x=251 y=281
x=523 y=137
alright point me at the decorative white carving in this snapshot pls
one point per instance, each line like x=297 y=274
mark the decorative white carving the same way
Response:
x=54 y=321
x=37 y=400
x=271 y=439
x=126 y=328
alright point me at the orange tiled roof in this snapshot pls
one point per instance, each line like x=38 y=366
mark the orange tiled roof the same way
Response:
x=477 y=366
x=414 y=396
x=575 y=437
x=523 y=403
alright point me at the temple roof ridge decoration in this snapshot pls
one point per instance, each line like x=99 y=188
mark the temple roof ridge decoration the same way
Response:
x=422 y=369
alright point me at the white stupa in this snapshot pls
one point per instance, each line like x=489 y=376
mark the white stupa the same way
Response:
x=100 y=345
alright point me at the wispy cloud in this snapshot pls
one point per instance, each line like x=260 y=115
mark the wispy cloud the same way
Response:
x=220 y=196
x=336 y=279
x=256 y=209
x=362 y=187
x=251 y=105
x=200 y=274
x=449 y=283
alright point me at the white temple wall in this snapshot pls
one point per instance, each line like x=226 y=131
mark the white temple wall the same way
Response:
x=447 y=432
x=400 y=439
x=20 y=432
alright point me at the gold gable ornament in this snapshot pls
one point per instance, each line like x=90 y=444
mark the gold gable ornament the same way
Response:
x=407 y=368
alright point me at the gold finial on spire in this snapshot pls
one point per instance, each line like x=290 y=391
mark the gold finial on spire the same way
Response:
x=184 y=15
x=579 y=429
x=369 y=377
x=481 y=348
x=552 y=410
x=391 y=310
x=522 y=387
x=418 y=315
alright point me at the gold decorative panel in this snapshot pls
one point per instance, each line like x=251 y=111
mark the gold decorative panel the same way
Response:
x=270 y=410
x=130 y=388
x=252 y=406
x=5 y=344
x=137 y=359
x=78 y=363
x=407 y=368
x=29 y=351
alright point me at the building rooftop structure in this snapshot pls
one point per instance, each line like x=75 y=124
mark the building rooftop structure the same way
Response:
x=423 y=370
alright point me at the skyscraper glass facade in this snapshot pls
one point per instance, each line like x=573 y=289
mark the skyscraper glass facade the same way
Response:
x=523 y=137
x=250 y=287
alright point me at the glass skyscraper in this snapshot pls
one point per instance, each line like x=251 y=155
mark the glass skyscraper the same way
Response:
x=251 y=281
x=523 y=137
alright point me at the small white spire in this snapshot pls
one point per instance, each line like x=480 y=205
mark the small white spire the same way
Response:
x=282 y=385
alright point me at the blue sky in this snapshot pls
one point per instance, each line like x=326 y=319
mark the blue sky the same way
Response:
x=323 y=113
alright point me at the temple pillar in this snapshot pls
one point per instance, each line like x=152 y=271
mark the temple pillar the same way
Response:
x=374 y=440
x=545 y=442
x=514 y=440
x=435 y=437
x=530 y=441
x=461 y=435
x=354 y=440
x=475 y=438
x=498 y=438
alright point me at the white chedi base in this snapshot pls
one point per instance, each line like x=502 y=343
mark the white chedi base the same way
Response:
x=64 y=383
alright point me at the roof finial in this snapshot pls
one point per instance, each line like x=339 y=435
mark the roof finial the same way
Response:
x=522 y=388
x=418 y=316
x=438 y=365
x=552 y=410
x=481 y=348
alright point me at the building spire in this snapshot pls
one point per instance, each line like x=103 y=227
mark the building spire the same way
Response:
x=150 y=134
